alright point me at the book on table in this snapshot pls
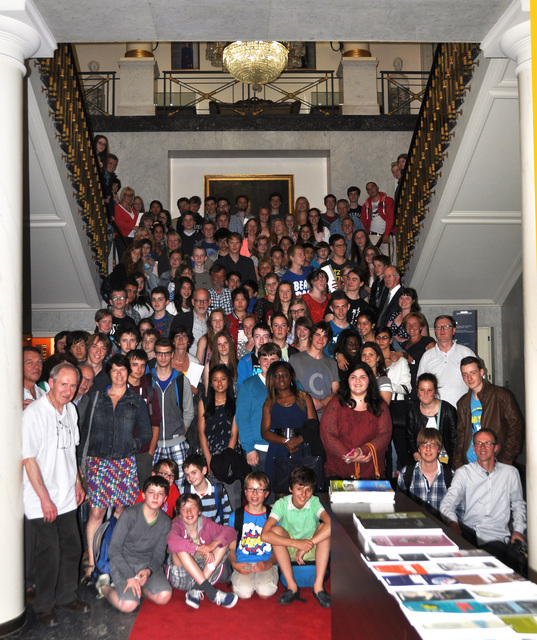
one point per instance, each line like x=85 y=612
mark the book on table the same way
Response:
x=395 y=523
x=370 y=491
x=410 y=542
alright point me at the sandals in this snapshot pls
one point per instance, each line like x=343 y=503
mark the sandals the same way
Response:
x=87 y=576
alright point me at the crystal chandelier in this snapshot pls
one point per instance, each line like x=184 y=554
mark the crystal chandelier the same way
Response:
x=255 y=62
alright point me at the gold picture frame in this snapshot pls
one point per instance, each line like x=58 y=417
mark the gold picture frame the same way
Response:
x=257 y=187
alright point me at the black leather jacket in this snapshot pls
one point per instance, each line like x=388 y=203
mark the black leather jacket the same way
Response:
x=447 y=427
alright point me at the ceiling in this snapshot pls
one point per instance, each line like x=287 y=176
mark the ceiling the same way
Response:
x=307 y=20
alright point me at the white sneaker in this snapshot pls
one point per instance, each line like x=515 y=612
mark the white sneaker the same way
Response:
x=193 y=598
x=102 y=581
x=223 y=599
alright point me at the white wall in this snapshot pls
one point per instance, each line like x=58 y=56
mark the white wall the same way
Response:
x=187 y=173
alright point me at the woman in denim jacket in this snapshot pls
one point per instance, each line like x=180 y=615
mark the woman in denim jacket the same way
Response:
x=116 y=425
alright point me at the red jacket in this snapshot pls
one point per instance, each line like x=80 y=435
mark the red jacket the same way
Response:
x=386 y=209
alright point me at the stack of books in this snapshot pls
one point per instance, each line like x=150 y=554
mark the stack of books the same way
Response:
x=406 y=532
x=354 y=491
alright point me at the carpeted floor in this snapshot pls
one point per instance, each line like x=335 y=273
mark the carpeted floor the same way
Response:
x=254 y=618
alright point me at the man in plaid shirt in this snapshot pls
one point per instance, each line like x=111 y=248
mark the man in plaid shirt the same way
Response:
x=428 y=479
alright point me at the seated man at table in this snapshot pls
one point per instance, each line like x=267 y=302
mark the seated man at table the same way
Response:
x=295 y=533
x=489 y=494
x=428 y=479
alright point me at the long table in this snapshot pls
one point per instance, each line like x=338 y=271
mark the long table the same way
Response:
x=361 y=607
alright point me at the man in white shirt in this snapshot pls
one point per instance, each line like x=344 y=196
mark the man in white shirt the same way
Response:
x=32 y=367
x=444 y=360
x=52 y=490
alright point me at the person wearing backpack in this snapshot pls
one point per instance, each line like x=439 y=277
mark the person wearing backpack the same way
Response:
x=214 y=499
x=254 y=564
x=137 y=550
x=428 y=479
x=174 y=395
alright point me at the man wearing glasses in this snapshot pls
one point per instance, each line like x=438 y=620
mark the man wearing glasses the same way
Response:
x=176 y=407
x=52 y=490
x=195 y=320
x=488 y=405
x=490 y=494
x=120 y=319
x=338 y=259
x=444 y=360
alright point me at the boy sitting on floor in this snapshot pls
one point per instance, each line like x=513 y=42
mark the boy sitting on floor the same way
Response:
x=254 y=564
x=198 y=547
x=167 y=469
x=214 y=498
x=294 y=531
x=137 y=551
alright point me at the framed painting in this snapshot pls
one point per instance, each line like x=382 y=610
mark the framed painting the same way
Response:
x=257 y=188
x=185 y=55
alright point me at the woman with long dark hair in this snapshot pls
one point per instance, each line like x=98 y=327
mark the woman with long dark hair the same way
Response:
x=355 y=421
x=284 y=412
x=217 y=428
x=100 y=146
x=372 y=355
x=320 y=231
x=222 y=352
x=360 y=242
x=348 y=345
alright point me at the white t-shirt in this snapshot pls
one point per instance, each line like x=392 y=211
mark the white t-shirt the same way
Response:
x=51 y=438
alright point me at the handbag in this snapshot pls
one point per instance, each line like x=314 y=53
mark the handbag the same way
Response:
x=230 y=465
x=398 y=410
x=284 y=465
x=373 y=451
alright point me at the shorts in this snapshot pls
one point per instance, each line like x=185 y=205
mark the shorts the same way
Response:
x=265 y=583
x=180 y=579
x=156 y=583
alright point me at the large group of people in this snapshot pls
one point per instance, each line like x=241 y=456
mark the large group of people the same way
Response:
x=239 y=340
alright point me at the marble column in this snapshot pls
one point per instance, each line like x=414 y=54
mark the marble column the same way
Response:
x=515 y=43
x=18 y=41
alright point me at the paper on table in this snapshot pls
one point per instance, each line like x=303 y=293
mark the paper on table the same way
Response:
x=194 y=373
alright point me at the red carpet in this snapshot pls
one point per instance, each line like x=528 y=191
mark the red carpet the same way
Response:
x=253 y=618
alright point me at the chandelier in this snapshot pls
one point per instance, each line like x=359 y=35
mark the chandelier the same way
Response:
x=255 y=62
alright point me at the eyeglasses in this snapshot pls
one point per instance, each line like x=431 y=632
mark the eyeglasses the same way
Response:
x=338 y=245
x=118 y=298
x=382 y=338
x=201 y=300
x=168 y=476
x=443 y=327
x=484 y=444
x=429 y=445
x=255 y=490
x=163 y=353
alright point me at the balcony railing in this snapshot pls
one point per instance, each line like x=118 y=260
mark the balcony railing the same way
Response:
x=402 y=93
x=207 y=92
x=445 y=93
x=99 y=92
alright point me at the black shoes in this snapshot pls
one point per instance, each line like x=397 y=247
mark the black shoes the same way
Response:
x=76 y=606
x=289 y=596
x=48 y=618
x=323 y=598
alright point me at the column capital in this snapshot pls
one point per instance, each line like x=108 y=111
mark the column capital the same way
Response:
x=516 y=44
x=24 y=34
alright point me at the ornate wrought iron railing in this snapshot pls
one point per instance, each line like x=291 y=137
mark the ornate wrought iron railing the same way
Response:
x=99 y=92
x=402 y=93
x=446 y=89
x=209 y=92
x=60 y=77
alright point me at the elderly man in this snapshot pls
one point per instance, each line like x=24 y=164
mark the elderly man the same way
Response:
x=489 y=405
x=490 y=494
x=52 y=489
x=342 y=207
x=392 y=280
x=195 y=320
x=444 y=360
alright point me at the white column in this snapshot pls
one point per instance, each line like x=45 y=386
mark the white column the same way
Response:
x=139 y=69
x=516 y=44
x=18 y=41
x=358 y=73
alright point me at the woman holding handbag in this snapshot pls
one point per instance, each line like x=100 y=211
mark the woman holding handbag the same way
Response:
x=356 y=427
x=285 y=410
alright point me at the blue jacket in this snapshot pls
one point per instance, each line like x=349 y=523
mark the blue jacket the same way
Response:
x=112 y=429
x=245 y=369
x=249 y=412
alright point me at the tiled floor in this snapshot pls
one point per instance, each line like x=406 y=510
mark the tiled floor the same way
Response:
x=103 y=622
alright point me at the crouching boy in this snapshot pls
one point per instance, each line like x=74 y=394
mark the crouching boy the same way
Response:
x=198 y=549
x=295 y=533
x=254 y=564
x=137 y=551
